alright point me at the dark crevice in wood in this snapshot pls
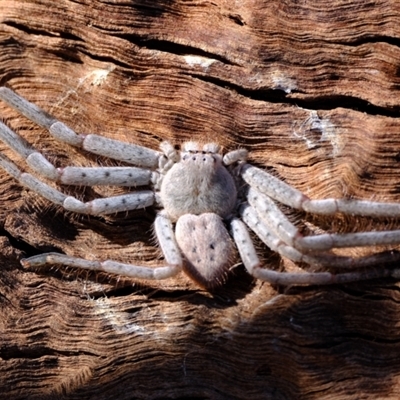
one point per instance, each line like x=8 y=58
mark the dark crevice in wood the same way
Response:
x=194 y=397
x=124 y=291
x=20 y=244
x=34 y=31
x=9 y=41
x=14 y=352
x=190 y=296
x=69 y=56
x=332 y=342
x=237 y=19
x=105 y=59
x=173 y=48
x=148 y=8
x=371 y=39
x=320 y=103
x=347 y=102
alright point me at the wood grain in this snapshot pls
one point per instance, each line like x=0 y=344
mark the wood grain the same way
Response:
x=311 y=90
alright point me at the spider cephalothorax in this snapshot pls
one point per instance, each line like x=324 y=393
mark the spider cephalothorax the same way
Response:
x=200 y=221
x=198 y=183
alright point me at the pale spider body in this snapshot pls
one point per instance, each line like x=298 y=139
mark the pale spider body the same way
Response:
x=198 y=183
x=197 y=193
x=201 y=221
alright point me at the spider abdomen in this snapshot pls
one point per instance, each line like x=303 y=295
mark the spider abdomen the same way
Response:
x=207 y=248
x=198 y=184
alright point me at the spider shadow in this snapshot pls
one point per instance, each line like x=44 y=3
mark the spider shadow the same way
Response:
x=333 y=333
x=237 y=286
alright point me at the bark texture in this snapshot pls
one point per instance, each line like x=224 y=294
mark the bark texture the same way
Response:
x=311 y=89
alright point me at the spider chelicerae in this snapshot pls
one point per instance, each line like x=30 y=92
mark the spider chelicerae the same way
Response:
x=202 y=220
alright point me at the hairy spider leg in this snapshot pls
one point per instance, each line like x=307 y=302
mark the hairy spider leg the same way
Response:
x=108 y=205
x=276 y=220
x=96 y=144
x=253 y=265
x=285 y=194
x=84 y=176
x=165 y=236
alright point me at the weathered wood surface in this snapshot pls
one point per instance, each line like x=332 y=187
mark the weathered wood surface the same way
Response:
x=310 y=88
